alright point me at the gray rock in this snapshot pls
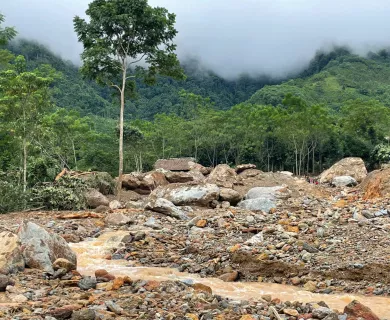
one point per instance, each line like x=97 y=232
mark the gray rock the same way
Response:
x=4 y=281
x=113 y=307
x=87 y=283
x=332 y=316
x=179 y=176
x=344 y=181
x=86 y=314
x=256 y=239
x=183 y=195
x=95 y=199
x=223 y=176
x=118 y=219
x=309 y=248
x=115 y=204
x=40 y=248
x=322 y=312
x=166 y=207
x=152 y=223
x=263 y=204
x=353 y=167
x=279 y=192
x=230 y=195
x=367 y=214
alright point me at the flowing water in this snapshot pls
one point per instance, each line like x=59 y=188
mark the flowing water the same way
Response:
x=91 y=254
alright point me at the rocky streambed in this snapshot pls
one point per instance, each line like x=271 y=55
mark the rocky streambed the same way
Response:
x=240 y=245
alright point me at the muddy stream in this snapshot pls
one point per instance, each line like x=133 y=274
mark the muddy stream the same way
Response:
x=91 y=252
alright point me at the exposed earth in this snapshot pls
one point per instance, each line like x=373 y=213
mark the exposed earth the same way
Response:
x=316 y=238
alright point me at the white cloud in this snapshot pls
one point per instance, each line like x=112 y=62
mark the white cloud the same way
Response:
x=230 y=36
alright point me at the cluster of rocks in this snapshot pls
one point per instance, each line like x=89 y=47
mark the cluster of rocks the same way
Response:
x=108 y=297
x=236 y=224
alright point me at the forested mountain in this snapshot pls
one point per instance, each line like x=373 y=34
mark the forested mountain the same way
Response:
x=51 y=118
x=73 y=92
x=333 y=78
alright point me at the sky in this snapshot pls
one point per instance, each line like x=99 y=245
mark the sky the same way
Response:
x=231 y=37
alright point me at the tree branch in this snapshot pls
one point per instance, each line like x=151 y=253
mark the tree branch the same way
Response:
x=129 y=64
x=115 y=86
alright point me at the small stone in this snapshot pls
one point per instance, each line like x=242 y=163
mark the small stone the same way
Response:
x=291 y=312
x=200 y=287
x=310 y=286
x=201 y=223
x=321 y=312
x=86 y=314
x=309 y=248
x=87 y=283
x=118 y=283
x=296 y=281
x=4 y=281
x=113 y=307
x=229 y=277
x=62 y=263
x=267 y=297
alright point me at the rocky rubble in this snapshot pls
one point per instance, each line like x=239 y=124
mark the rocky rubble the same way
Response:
x=321 y=239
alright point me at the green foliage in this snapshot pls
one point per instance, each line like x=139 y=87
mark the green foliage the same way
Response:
x=72 y=92
x=121 y=33
x=11 y=193
x=64 y=194
x=101 y=181
x=381 y=153
x=341 y=76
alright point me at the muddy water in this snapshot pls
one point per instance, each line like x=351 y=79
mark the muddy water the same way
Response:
x=91 y=257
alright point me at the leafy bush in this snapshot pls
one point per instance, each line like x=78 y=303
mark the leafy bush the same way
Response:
x=381 y=154
x=12 y=197
x=66 y=194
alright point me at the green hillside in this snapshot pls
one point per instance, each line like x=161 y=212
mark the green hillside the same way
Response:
x=341 y=76
x=73 y=92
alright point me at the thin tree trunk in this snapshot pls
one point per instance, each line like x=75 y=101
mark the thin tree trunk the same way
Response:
x=74 y=155
x=24 y=153
x=119 y=185
x=24 y=164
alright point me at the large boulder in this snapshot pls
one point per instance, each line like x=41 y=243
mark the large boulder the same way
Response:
x=179 y=176
x=118 y=219
x=199 y=168
x=143 y=183
x=278 y=192
x=153 y=179
x=11 y=258
x=166 y=207
x=95 y=199
x=377 y=184
x=259 y=204
x=41 y=248
x=355 y=311
x=182 y=195
x=242 y=167
x=130 y=182
x=344 y=181
x=230 y=195
x=264 y=198
x=223 y=176
x=353 y=167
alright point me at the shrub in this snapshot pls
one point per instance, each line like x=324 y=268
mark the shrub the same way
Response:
x=12 y=197
x=65 y=194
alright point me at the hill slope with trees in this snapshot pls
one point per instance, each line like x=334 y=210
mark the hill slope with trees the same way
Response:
x=74 y=92
x=333 y=78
